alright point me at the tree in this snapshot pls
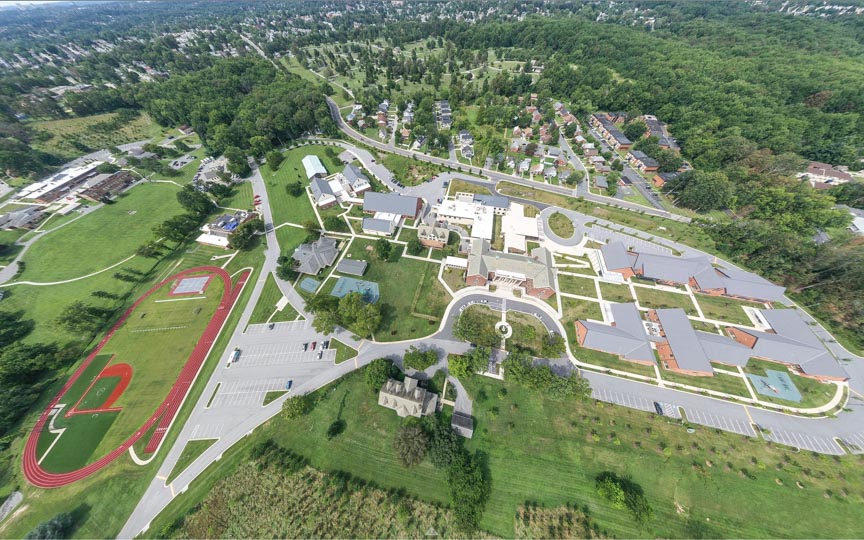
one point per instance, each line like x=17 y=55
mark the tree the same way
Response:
x=378 y=372
x=151 y=249
x=295 y=189
x=382 y=249
x=612 y=188
x=274 y=159
x=13 y=327
x=701 y=190
x=297 y=406
x=81 y=318
x=411 y=444
x=177 y=228
x=469 y=491
x=466 y=365
x=414 y=246
x=416 y=359
x=244 y=237
x=553 y=346
x=335 y=223
x=194 y=202
x=325 y=322
x=609 y=489
x=635 y=130
x=57 y=527
x=445 y=445
x=237 y=162
x=519 y=368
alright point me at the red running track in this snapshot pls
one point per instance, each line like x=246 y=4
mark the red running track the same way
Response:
x=39 y=477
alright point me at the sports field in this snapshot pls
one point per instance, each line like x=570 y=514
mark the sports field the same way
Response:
x=133 y=382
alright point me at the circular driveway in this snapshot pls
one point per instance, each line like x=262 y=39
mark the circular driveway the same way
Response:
x=578 y=230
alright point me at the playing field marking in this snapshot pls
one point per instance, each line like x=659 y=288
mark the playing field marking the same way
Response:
x=179 y=299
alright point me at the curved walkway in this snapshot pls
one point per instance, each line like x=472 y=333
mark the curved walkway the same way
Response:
x=46 y=283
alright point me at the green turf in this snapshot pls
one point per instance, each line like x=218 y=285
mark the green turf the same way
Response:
x=241 y=198
x=75 y=447
x=289 y=238
x=272 y=396
x=656 y=299
x=265 y=309
x=616 y=293
x=99 y=392
x=720 y=382
x=561 y=225
x=343 y=352
x=190 y=453
x=725 y=309
x=288 y=209
x=577 y=285
x=399 y=284
x=83 y=247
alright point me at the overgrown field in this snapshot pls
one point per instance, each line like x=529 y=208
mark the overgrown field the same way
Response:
x=76 y=136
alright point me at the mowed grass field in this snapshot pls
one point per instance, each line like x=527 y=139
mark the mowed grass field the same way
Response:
x=155 y=341
x=81 y=129
x=407 y=287
x=288 y=209
x=265 y=309
x=549 y=453
x=102 y=238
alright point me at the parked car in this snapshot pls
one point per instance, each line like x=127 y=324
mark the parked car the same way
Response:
x=289 y=384
x=325 y=345
x=305 y=347
x=314 y=344
x=320 y=354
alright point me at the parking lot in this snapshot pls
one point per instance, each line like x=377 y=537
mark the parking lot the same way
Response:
x=245 y=393
x=855 y=442
x=278 y=328
x=282 y=353
x=626 y=400
x=206 y=431
x=804 y=441
x=705 y=418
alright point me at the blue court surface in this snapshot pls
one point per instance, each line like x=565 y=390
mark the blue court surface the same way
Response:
x=776 y=384
x=191 y=285
x=309 y=285
x=347 y=285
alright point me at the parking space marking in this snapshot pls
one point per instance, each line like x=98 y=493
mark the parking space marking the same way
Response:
x=245 y=393
x=206 y=431
x=282 y=353
x=626 y=400
x=804 y=441
x=278 y=328
x=670 y=410
x=855 y=442
x=725 y=423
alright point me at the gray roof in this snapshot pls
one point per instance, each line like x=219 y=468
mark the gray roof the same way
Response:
x=320 y=187
x=351 y=266
x=391 y=203
x=646 y=160
x=495 y=201
x=315 y=256
x=21 y=218
x=538 y=267
x=378 y=225
x=354 y=175
x=627 y=338
x=683 y=341
x=723 y=349
x=406 y=398
x=600 y=181
x=794 y=343
x=615 y=256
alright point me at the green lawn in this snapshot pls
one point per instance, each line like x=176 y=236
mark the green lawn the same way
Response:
x=528 y=332
x=616 y=293
x=190 y=453
x=289 y=238
x=241 y=198
x=813 y=393
x=604 y=359
x=720 y=382
x=413 y=300
x=577 y=285
x=343 y=352
x=725 y=309
x=288 y=209
x=561 y=225
x=410 y=172
x=83 y=247
x=654 y=298
x=548 y=453
x=461 y=186
x=265 y=309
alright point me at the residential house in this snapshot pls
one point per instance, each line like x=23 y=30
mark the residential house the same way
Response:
x=313 y=257
x=24 y=218
x=550 y=173
x=605 y=126
x=322 y=192
x=524 y=166
x=600 y=182
x=660 y=179
x=588 y=149
x=407 y=398
x=357 y=181
x=823 y=175
x=656 y=128
x=537 y=168
x=435 y=237
x=641 y=161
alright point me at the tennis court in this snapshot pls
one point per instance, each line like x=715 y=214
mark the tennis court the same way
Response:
x=367 y=289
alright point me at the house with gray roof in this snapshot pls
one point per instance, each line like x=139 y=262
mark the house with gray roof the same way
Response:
x=312 y=257
x=462 y=424
x=625 y=337
x=601 y=182
x=322 y=193
x=534 y=273
x=435 y=237
x=680 y=351
x=499 y=203
x=392 y=203
x=407 y=399
x=25 y=218
x=698 y=272
x=790 y=341
x=642 y=161
x=379 y=227
x=357 y=181
x=351 y=266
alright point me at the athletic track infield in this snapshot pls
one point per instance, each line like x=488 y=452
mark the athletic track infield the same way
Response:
x=166 y=411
